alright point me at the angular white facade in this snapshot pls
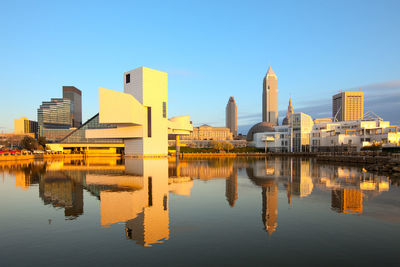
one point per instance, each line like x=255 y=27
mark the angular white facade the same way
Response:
x=140 y=113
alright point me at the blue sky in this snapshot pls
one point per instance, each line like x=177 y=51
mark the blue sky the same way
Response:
x=211 y=50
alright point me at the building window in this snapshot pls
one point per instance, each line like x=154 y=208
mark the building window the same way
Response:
x=164 y=109
x=150 y=191
x=148 y=121
x=127 y=78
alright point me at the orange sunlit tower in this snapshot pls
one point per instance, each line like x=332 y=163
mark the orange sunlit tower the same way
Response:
x=61 y=190
x=270 y=207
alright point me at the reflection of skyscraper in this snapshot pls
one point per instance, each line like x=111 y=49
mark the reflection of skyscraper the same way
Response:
x=59 y=190
x=270 y=98
x=231 y=116
x=262 y=173
x=347 y=200
x=270 y=207
x=231 y=188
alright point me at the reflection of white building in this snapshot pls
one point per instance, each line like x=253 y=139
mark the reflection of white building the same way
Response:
x=353 y=135
x=139 y=198
x=140 y=113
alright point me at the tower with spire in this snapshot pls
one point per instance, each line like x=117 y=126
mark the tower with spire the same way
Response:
x=289 y=112
x=270 y=98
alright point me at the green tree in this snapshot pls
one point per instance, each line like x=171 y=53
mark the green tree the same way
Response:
x=29 y=143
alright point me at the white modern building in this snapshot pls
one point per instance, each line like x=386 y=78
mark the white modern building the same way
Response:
x=294 y=137
x=140 y=114
x=353 y=135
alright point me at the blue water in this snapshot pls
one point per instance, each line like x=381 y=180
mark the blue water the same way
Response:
x=243 y=212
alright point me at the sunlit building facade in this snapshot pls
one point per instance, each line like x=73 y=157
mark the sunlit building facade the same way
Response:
x=231 y=116
x=270 y=98
x=25 y=126
x=206 y=132
x=54 y=114
x=348 y=106
x=353 y=135
x=75 y=96
x=294 y=137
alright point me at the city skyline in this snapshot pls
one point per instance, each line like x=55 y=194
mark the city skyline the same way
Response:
x=315 y=56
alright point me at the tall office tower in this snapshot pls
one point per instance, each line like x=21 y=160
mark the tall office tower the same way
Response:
x=348 y=106
x=270 y=98
x=75 y=96
x=231 y=116
x=54 y=114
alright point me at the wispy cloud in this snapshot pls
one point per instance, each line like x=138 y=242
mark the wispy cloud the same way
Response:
x=382 y=98
x=381 y=87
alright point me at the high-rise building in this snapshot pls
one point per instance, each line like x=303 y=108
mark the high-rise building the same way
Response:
x=289 y=113
x=54 y=115
x=231 y=116
x=25 y=126
x=270 y=98
x=75 y=96
x=348 y=106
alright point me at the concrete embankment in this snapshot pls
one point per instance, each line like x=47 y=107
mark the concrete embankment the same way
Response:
x=371 y=161
x=220 y=155
x=29 y=156
x=376 y=161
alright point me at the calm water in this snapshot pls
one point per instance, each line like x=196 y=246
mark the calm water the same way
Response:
x=278 y=211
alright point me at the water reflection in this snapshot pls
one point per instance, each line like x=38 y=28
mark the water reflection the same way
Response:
x=136 y=192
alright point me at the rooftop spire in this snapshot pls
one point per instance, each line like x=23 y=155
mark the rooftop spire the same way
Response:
x=270 y=71
x=290 y=108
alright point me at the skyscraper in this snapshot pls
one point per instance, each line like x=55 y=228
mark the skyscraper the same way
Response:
x=270 y=97
x=348 y=106
x=75 y=96
x=231 y=116
x=289 y=113
x=54 y=118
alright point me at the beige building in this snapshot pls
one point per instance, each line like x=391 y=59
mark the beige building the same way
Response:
x=270 y=98
x=348 y=106
x=206 y=132
x=319 y=120
x=231 y=116
x=25 y=126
